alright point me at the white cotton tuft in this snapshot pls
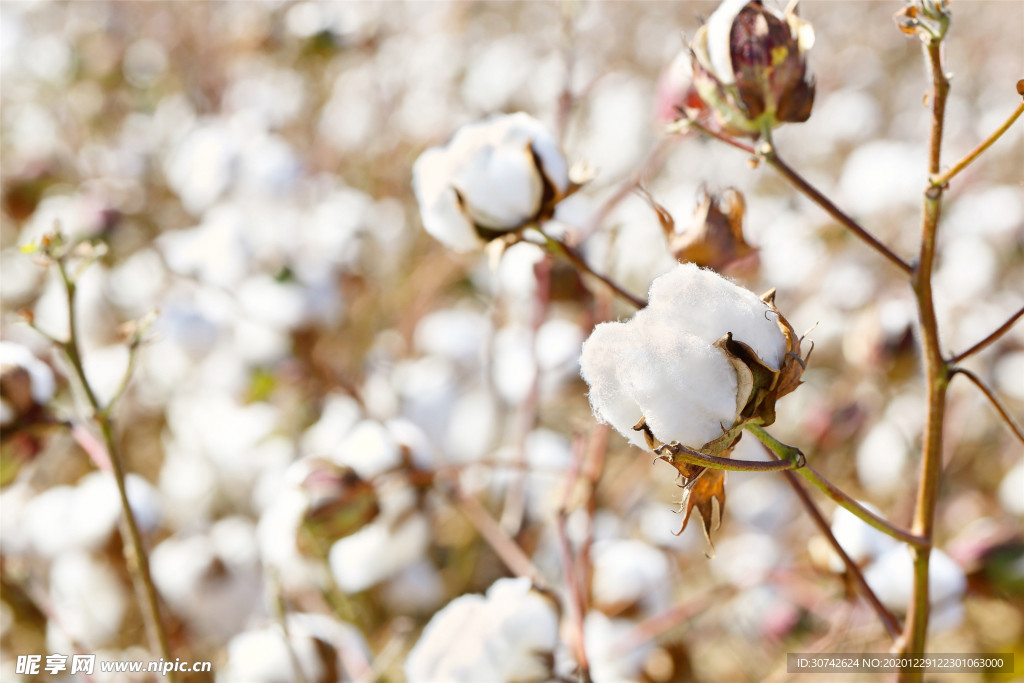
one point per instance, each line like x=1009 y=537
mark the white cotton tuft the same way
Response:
x=491 y=175
x=508 y=634
x=708 y=306
x=663 y=366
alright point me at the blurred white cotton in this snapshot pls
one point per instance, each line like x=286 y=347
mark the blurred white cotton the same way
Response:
x=503 y=635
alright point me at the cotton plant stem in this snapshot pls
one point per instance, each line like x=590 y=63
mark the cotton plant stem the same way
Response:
x=573 y=257
x=768 y=153
x=834 y=492
x=889 y=622
x=941 y=180
x=936 y=371
x=138 y=560
x=502 y=544
x=999 y=332
x=692 y=457
x=1003 y=413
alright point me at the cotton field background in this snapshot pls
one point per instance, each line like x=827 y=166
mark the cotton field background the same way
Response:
x=243 y=172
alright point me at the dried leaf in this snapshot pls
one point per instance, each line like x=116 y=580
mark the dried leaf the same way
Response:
x=706 y=493
x=715 y=239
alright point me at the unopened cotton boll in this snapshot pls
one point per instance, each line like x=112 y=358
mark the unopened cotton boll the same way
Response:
x=494 y=177
x=664 y=365
x=505 y=635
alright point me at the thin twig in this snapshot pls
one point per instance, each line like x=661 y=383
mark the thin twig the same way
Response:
x=943 y=179
x=768 y=153
x=785 y=453
x=692 y=457
x=890 y=623
x=502 y=544
x=710 y=132
x=574 y=258
x=999 y=332
x=1010 y=422
x=138 y=564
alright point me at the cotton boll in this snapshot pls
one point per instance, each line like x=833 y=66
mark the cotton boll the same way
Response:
x=762 y=503
x=339 y=415
x=557 y=348
x=514 y=367
x=708 y=306
x=188 y=487
x=747 y=559
x=760 y=612
x=608 y=662
x=692 y=401
x=628 y=572
x=369 y=449
x=378 y=551
x=504 y=635
x=882 y=459
x=1008 y=371
x=600 y=363
x=473 y=426
x=276 y=534
x=200 y=167
x=88 y=598
x=492 y=176
x=428 y=388
x=214 y=251
x=315 y=643
x=891 y=578
x=417 y=589
x=515 y=278
x=882 y=175
x=457 y=334
x=860 y=541
x=211 y=580
x=280 y=305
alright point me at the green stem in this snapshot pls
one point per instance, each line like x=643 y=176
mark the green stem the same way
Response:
x=889 y=622
x=785 y=452
x=936 y=370
x=135 y=552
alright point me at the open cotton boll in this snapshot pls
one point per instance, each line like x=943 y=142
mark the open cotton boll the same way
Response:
x=509 y=634
x=600 y=365
x=493 y=177
x=685 y=388
x=708 y=306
